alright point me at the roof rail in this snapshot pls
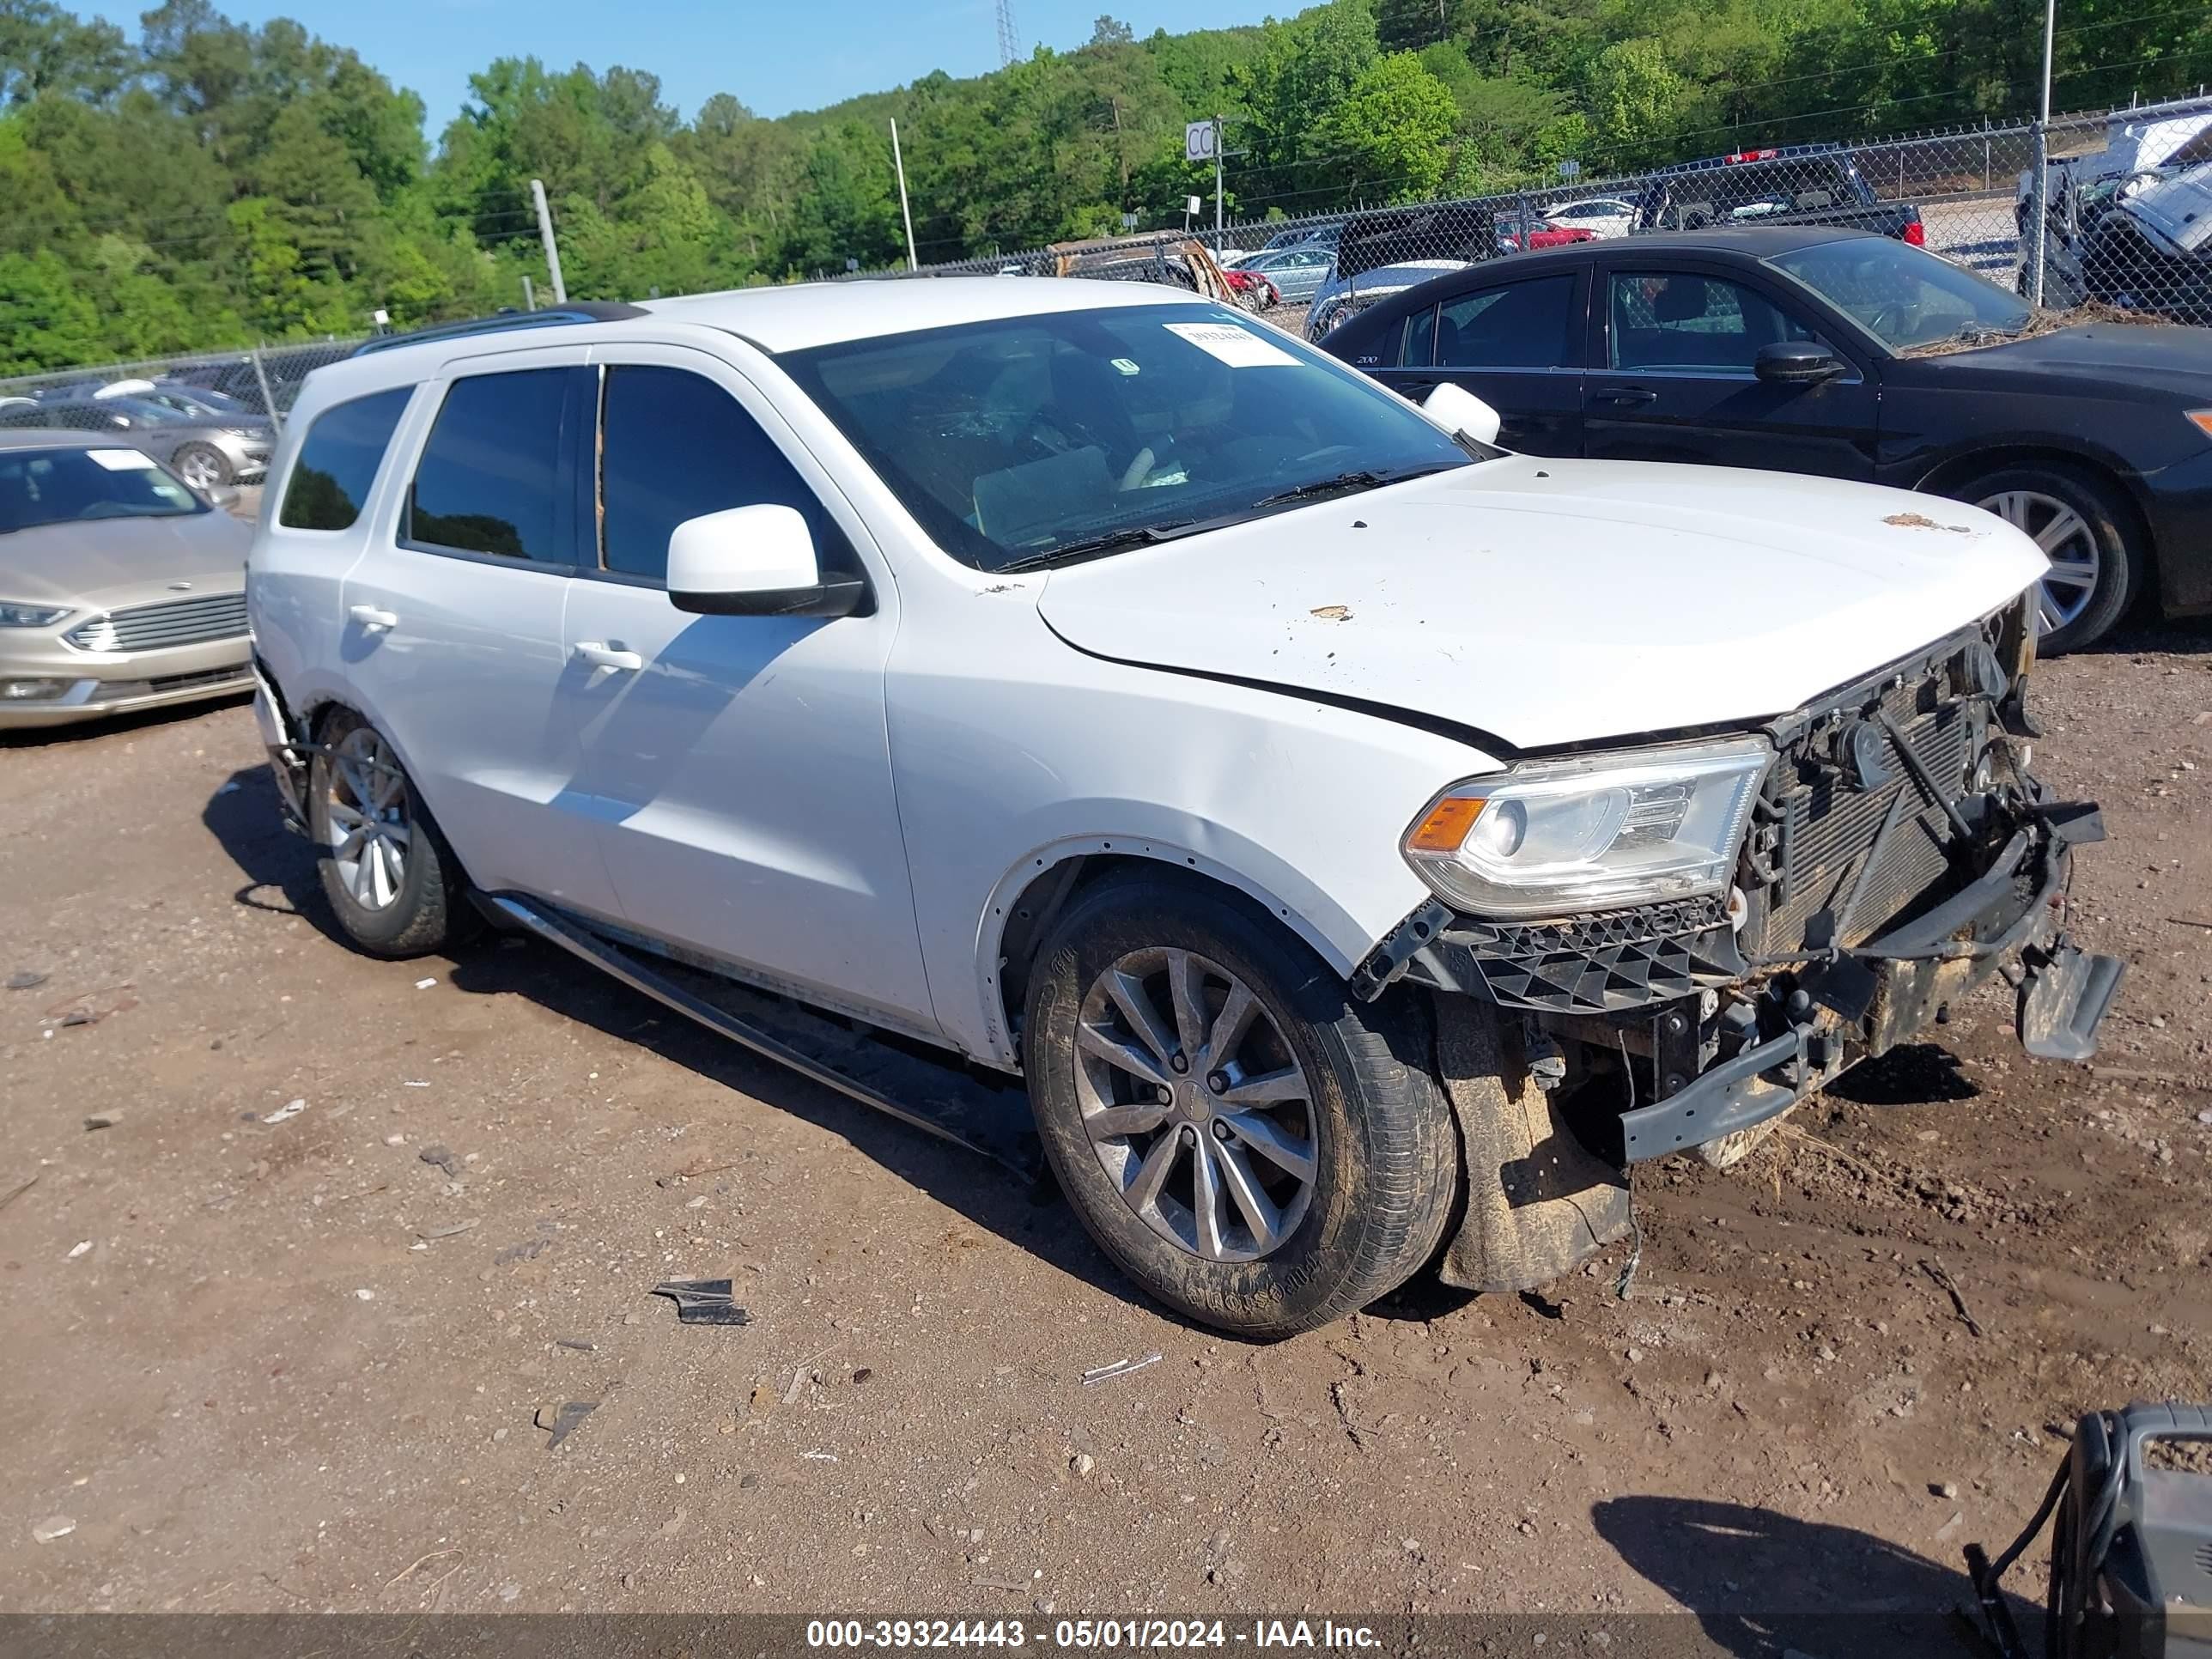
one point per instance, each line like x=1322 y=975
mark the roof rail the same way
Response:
x=577 y=311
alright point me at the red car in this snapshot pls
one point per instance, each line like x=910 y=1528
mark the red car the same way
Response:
x=1252 y=289
x=1516 y=232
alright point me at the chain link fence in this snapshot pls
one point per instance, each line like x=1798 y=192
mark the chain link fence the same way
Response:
x=2120 y=197
x=213 y=419
x=2118 y=220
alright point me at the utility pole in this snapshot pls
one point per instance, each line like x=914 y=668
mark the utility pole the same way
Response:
x=1216 y=184
x=545 y=232
x=898 y=163
x=545 y=236
x=2038 y=195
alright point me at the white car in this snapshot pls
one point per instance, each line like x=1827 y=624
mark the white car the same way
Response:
x=1603 y=217
x=1317 y=806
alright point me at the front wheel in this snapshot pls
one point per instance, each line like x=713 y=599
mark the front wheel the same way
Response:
x=1249 y=1144
x=202 y=466
x=2088 y=536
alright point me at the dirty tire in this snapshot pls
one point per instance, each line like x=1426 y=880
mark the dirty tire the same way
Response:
x=429 y=912
x=1386 y=1156
x=2110 y=523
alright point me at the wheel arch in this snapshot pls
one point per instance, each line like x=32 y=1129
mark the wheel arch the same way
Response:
x=1031 y=897
x=1956 y=471
x=2096 y=465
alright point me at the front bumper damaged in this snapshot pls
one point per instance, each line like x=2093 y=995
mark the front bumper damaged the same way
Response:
x=1903 y=981
x=1900 y=855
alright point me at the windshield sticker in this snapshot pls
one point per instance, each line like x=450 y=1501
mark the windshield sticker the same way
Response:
x=1238 y=347
x=121 y=460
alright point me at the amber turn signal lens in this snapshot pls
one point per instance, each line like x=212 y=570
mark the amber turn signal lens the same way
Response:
x=1446 y=825
x=2201 y=419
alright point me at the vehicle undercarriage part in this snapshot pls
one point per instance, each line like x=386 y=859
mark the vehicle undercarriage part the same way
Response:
x=958 y=1108
x=1539 y=1203
x=289 y=750
x=2132 y=1552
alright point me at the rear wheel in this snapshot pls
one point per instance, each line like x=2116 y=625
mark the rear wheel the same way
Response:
x=386 y=872
x=2088 y=535
x=1248 y=1144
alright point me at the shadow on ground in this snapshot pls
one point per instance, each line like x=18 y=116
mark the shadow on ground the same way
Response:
x=1762 y=1583
x=246 y=817
x=1911 y=1074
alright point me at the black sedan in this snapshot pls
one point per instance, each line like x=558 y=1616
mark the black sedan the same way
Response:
x=1849 y=355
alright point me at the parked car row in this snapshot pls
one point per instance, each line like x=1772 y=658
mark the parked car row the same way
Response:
x=208 y=438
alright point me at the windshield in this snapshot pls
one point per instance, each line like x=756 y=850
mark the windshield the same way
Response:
x=66 y=486
x=1904 y=295
x=1017 y=440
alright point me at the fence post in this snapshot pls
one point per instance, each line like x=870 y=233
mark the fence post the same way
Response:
x=2039 y=209
x=268 y=401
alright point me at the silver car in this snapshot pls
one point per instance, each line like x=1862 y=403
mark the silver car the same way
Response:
x=207 y=449
x=1297 y=272
x=120 y=588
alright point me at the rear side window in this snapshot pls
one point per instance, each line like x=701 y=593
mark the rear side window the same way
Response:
x=1528 y=325
x=490 y=471
x=337 y=462
x=675 y=446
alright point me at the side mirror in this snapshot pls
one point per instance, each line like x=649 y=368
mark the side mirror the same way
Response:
x=224 y=495
x=754 y=562
x=1461 y=413
x=1797 y=362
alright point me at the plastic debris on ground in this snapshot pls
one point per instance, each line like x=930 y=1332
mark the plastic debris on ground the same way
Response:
x=1119 y=1368
x=703 y=1301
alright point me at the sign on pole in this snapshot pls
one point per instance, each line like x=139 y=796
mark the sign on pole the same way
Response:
x=1200 y=140
x=1571 y=170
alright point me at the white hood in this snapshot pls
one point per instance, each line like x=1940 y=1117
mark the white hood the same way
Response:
x=1553 y=602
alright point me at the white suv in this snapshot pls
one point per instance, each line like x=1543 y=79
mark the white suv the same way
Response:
x=1366 y=843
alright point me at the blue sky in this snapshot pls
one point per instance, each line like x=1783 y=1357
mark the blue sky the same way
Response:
x=774 y=58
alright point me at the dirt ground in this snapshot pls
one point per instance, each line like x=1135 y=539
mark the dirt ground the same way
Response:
x=279 y=1335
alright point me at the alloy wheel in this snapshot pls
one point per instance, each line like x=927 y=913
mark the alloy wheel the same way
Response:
x=199 y=469
x=1195 y=1105
x=370 y=826
x=2067 y=540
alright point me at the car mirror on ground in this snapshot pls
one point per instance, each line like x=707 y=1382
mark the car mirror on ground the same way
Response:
x=754 y=562
x=1797 y=362
x=1461 y=413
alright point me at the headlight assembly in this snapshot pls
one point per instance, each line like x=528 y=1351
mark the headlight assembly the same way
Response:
x=1593 y=832
x=31 y=615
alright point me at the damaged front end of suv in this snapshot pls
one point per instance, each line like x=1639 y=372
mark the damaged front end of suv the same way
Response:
x=1693 y=938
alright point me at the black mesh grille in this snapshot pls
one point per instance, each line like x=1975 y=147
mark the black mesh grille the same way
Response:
x=1602 y=963
x=1829 y=827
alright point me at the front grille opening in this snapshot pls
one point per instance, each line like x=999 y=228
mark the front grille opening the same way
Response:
x=1815 y=830
x=200 y=620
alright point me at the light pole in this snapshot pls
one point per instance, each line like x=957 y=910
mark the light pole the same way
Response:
x=898 y=161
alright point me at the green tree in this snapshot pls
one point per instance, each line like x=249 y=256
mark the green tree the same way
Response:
x=1393 y=130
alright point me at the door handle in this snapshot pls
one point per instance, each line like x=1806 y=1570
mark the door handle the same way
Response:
x=371 y=616
x=1626 y=394
x=600 y=656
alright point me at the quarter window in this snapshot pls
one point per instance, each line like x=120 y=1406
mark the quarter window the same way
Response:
x=1518 y=326
x=675 y=446
x=1679 y=320
x=489 y=476
x=338 y=460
